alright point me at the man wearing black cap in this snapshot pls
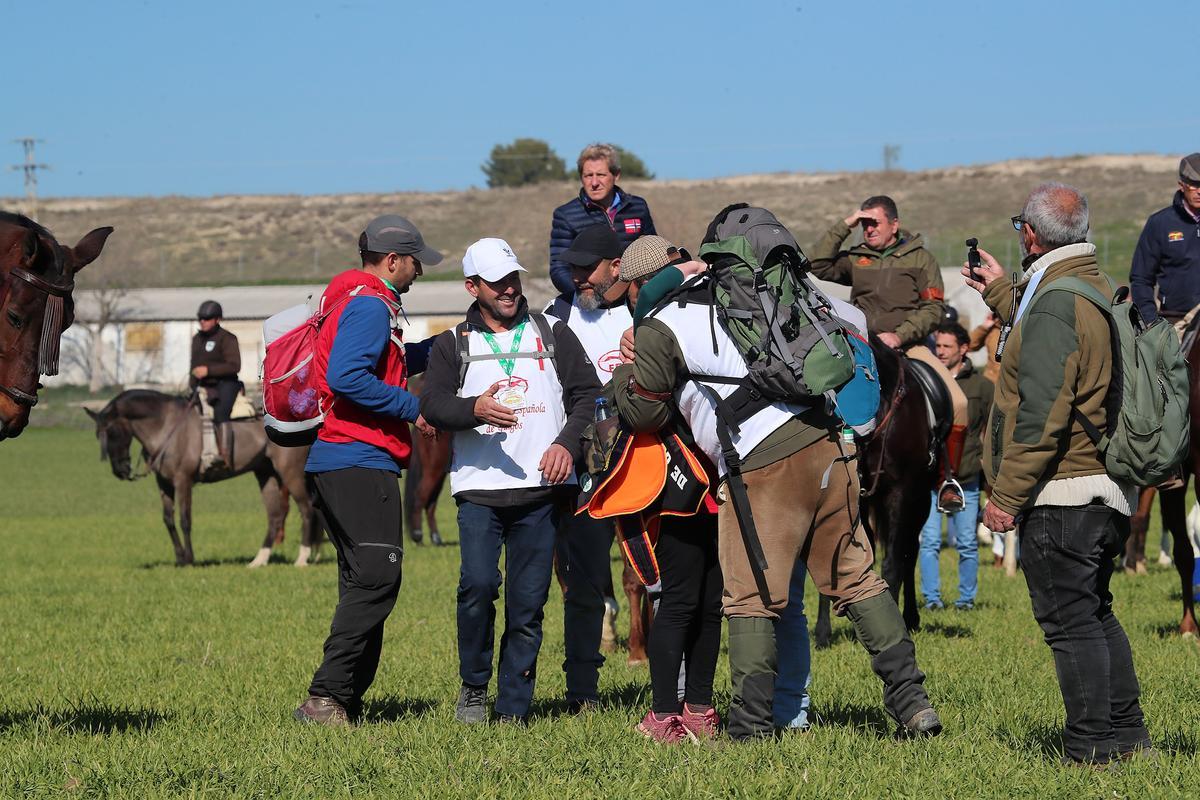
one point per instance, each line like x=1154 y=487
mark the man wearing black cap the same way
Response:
x=1167 y=257
x=353 y=468
x=216 y=360
x=597 y=313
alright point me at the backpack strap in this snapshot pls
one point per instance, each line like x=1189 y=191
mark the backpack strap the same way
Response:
x=560 y=307
x=462 y=335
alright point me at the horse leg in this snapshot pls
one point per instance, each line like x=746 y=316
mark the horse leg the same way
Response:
x=639 y=615
x=824 y=630
x=273 y=498
x=1139 y=523
x=1174 y=518
x=183 y=492
x=310 y=532
x=166 y=491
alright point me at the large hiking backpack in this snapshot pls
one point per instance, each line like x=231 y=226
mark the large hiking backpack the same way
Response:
x=1147 y=405
x=795 y=348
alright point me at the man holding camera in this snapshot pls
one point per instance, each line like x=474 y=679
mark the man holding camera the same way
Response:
x=896 y=282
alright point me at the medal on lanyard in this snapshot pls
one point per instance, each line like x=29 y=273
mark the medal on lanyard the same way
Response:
x=512 y=395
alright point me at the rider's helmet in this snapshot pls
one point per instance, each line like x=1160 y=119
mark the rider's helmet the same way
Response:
x=209 y=309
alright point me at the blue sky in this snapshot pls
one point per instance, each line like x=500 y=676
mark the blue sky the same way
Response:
x=156 y=98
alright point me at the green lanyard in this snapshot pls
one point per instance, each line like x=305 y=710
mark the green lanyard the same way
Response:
x=506 y=364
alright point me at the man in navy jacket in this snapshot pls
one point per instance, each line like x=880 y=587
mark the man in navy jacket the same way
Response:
x=1168 y=252
x=600 y=202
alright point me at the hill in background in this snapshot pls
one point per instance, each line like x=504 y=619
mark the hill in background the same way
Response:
x=175 y=241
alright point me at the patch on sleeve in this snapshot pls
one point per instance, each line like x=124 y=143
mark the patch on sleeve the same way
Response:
x=1175 y=236
x=864 y=261
x=932 y=293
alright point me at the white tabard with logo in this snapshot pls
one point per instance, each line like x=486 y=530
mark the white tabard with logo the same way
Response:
x=600 y=332
x=507 y=458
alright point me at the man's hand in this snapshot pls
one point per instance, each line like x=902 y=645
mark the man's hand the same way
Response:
x=492 y=412
x=627 y=348
x=988 y=271
x=556 y=464
x=997 y=520
x=200 y=372
x=989 y=321
x=891 y=340
x=853 y=219
x=690 y=268
x=425 y=429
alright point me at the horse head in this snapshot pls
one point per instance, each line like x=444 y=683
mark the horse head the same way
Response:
x=115 y=434
x=37 y=276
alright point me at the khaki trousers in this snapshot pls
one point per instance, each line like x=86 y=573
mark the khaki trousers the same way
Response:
x=795 y=517
x=957 y=399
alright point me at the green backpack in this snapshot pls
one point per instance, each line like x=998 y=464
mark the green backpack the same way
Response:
x=1148 y=423
x=795 y=349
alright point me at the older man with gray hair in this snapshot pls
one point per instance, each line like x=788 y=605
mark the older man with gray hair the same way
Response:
x=1046 y=474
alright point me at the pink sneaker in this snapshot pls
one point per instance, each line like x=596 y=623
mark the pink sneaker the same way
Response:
x=666 y=730
x=702 y=724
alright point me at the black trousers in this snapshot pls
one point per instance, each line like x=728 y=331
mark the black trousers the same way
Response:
x=361 y=510
x=1067 y=554
x=583 y=548
x=227 y=392
x=688 y=621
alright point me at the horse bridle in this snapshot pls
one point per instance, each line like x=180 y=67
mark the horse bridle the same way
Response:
x=56 y=297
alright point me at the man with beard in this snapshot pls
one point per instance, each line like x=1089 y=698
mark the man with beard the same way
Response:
x=598 y=315
x=517 y=390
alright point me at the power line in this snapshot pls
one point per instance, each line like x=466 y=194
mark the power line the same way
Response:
x=30 y=167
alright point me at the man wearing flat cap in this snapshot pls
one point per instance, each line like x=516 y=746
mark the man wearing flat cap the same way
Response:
x=353 y=468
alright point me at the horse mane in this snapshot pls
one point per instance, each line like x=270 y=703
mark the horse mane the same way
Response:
x=13 y=218
x=56 y=261
x=139 y=403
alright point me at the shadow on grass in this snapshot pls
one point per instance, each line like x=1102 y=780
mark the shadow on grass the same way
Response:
x=87 y=718
x=839 y=635
x=949 y=630
x=390 y=708
x=276 y=558
x=629 y=697
x=870 y=719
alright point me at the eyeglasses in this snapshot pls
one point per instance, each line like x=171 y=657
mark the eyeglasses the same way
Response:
x=1018 y=222
x=869 y=223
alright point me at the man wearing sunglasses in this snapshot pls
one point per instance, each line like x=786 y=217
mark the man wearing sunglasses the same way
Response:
x=897 y=284
x=1166 y=262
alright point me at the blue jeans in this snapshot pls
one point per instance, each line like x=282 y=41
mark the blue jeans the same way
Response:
x=962 y=535
x=790 y=708
x=527 y=534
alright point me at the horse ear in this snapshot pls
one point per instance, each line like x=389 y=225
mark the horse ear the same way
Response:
x=94 y=415
x=88 y=248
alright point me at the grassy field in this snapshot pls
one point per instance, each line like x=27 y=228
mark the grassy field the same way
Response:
x=124 y=676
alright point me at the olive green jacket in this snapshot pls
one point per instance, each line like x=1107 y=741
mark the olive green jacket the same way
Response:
x=899 y=289
x=1058 y=359
x=979 y=391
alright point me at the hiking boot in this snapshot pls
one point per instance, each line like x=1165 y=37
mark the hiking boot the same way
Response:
x=921 y=724
x=935 y=605
x=323 y=711
x=514 y=720
x=577 y=707
x=471 y=708
x=704 y=724
x=668 y=729
x=1140 y=754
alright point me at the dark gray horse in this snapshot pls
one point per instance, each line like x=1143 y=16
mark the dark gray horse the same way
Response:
x=169 y=429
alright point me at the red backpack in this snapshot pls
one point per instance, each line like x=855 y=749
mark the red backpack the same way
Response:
x=292 y=412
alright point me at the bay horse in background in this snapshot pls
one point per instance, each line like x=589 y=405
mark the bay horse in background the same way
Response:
x=897 y=472
x=37 y=277
x=424 y=479
x=169 y=430
x=1173 y=507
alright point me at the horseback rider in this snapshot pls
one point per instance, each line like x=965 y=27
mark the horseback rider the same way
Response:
x=216 y=360
x=898 y=285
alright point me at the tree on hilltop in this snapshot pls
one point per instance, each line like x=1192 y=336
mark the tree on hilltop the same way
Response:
x=632 y=166
x=522 y=162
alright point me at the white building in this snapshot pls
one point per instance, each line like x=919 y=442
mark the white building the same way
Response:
x=148 y=340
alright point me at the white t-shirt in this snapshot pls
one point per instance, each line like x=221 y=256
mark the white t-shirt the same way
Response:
x=600 y=333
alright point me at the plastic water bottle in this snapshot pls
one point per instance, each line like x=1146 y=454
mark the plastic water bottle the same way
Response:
x=848 y=434
x=602 y=410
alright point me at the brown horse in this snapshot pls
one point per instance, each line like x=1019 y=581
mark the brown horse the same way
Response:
x=424 y=479
x=37 y=276
x=1173 y=508
x=897 y=471
x=169 y=430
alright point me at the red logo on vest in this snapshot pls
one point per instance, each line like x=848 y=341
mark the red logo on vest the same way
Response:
x=633 y=226
x=609 y=361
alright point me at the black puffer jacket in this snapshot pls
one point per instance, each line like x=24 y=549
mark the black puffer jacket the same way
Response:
x=1167 y=256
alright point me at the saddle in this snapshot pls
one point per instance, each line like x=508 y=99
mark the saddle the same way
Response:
x=1187 y=329
x=938 y=406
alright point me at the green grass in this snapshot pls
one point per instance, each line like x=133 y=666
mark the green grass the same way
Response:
x=124 y=676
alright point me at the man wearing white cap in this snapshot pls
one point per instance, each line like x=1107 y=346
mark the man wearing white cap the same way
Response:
x=517 y=391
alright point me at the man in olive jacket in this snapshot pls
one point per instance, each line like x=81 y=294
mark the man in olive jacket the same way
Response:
x=1047 y=475
x=896 y=282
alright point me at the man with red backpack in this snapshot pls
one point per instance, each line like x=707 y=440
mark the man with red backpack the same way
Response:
x=353 y=467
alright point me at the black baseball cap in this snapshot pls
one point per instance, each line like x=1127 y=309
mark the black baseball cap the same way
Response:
x=392 y=233
x=592 y=245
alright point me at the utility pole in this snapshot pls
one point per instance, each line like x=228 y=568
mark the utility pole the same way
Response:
x=30 y=167
x=891 y=157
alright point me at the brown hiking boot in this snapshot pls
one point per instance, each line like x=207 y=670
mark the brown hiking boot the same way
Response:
x=921 y=724
x=322 y=710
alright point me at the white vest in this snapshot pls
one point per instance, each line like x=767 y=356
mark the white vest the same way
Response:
x=507 y=458
x=600 y=332
x=690 y=324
